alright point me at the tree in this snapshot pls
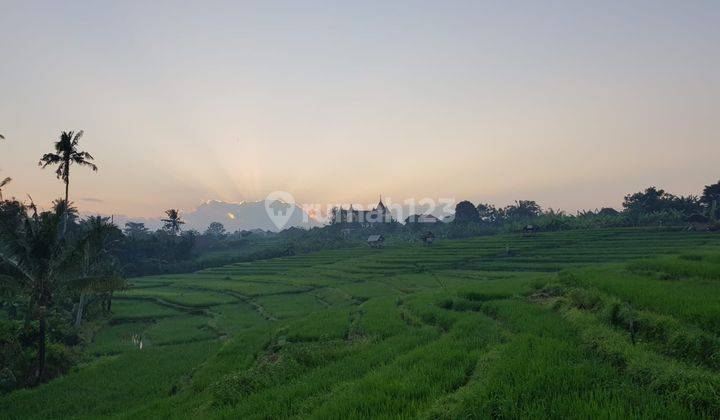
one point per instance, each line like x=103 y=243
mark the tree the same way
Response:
x=66 y=154
x=710 y=199
x=173 y=221
x=42 y=263
x=100 y=270
x=465 y=211
x=523 y=210
x=216 y=230
x=39 y=259
x=652 y=200
x=686 y=205
x=489 y=214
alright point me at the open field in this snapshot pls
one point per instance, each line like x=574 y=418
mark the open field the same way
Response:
x=610 y=323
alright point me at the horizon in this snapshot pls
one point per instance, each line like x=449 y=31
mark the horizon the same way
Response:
x=572 y=106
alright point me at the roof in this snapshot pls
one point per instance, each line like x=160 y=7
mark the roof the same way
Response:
x=429 y=218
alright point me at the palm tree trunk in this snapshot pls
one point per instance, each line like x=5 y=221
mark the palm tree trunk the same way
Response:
x=81 y=308
x=67 y=204
x=41 y=347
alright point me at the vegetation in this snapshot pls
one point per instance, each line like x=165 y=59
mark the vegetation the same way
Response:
x=41 y=267
x=173 y=222
x=611 y=322
x=66 y=154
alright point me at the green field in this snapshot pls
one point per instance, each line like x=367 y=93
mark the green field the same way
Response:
x=608 y=323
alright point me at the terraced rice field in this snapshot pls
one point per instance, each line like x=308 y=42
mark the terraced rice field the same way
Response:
x=611 y=323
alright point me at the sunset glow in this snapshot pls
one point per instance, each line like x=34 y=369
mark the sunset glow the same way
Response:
x=469 y=101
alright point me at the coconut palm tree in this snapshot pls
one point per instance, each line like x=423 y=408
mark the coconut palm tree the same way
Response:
x=31 y=246
x=43 y=263
x=66 y=154
x=173 y=221
x=100 y=272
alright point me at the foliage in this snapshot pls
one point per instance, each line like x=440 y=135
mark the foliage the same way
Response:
x=522 y=210
x=465 y=211
x=67 y=154
x=216 y=229
x=42 y=268
x=711 y=199
x=575 y=323
x=173 y=222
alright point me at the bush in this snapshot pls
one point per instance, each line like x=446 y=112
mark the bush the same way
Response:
x=59 y=360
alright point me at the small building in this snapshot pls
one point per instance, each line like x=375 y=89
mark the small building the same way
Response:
x=529 y=230
x=375 y=241
x=428 y=238
x=422 y=218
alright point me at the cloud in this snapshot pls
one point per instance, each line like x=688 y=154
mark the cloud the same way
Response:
x=91 y=199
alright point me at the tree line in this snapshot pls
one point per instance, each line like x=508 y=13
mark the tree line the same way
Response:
x=52 y=277
x=650 y=207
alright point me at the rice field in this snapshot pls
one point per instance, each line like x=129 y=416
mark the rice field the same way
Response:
x=608 y=323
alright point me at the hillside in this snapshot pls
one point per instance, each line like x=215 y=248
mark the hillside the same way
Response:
x=589 y=323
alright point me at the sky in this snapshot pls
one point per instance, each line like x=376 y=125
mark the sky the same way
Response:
x=572 y=104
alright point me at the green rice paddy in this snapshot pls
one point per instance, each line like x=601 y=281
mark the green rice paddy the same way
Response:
x=607 y=323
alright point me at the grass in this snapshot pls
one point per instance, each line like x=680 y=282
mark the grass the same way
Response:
x=606 y=323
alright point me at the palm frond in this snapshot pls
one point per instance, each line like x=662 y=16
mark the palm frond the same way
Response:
x=49 y=159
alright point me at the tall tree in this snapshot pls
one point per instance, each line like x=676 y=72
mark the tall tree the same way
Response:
x=173 y=222
x=216 y=230
x=652 y=200
x=711 y=199
x=465 y=211
x=40 y=261
x=67 y=154
x=489 y=214
x=100 y=270
x=43 y=263
x=523 y=210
